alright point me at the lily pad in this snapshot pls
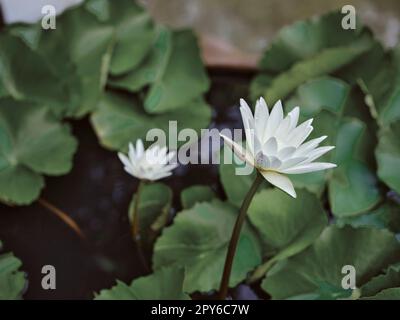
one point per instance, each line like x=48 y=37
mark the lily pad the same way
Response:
x=291 y=64
x=382 y=89
x=387 y=216
x=286 y=225
x=134 y=31
x=181 y=79
x=387 y=294
x=353 y=187
x=146 y=72
x=154 y=205
x=120 y=119
x=198 y=241
x=387 y=155
x=12 y=281
x=26 y=75
x=165 y=284
x=368 y=250
x=79 y=51
x=324 y=93
x=235 y=185
x=32 y=143
x=390 y=279
x=194 y=194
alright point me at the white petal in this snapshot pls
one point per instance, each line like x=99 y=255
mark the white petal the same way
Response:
x=286 y=153
x=139 y=148
x=316 y=153
x=274 y=119
x=308 y=146
x=264 y=104
x=124 y=159
x=270 y=148
x=283 y=129
x=280 y=181
x=246 y=112
x=260 y=118
x=262 y=161
x=238 y=150
x=248 y=130
x=131 y=152
x=275 y=163
x=170 y=156
x=298 y=135
x=170 y=167
x=294 y=117
x=310 y=167
x=160 y=175
x=291 y=162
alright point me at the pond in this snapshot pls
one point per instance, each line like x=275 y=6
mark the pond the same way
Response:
x=96 y=194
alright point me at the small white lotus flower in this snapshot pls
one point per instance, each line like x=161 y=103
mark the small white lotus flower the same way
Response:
x=275 y=144
x=151 y=164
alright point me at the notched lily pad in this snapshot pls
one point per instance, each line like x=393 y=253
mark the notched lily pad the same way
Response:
x=120 y=119
x=198 y=241
x=165 y=284
x=368 y=250
x=32 y=143
x=12 y=280
x=286 y=225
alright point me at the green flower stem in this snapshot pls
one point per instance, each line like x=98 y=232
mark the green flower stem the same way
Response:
x=223 y=290
x=261 y=271
x=62 y=215
x=136 y=226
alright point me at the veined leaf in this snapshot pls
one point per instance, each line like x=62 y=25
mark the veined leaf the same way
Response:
x=387 y=155
x=368 y=250
x=32 y=143
x=119 y=120
x=12 y=281
x=286 y=225
x=182 y=79
x=198 y=241
x=165 y=284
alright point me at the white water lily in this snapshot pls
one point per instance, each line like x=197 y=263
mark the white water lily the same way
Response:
x=275 y=144
x=151 y=164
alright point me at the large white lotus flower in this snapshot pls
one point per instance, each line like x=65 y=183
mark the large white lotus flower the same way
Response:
x=151 y=164
x=275 y=144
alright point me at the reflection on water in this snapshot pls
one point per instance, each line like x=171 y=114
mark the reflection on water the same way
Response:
x=251 y=24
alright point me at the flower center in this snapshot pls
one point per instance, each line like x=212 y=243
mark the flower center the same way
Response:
x=261 y=161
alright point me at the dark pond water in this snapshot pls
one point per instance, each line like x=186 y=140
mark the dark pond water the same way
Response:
x=96 y=194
